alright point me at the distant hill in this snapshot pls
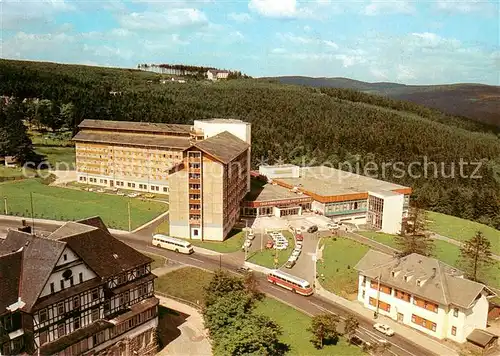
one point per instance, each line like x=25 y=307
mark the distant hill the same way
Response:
x=476 y=101
x=373 y=134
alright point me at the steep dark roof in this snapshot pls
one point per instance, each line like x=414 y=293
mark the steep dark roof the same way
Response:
x=104 y=254
x=224 y=146
x=39 y=258
x=94 y=221
x=10 y=272
x=136 y=140
x=150 y=127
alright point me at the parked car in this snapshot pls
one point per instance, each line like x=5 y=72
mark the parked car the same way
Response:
x=243 y=269
x=251 y=236
x=290 y=263
x=133 y=195
x=296 y=252
x=246 y=244
x=270 y=244
x=299 y=237
x=333 y=226
x=384 y=329
x=312 y=229
x=298 y=244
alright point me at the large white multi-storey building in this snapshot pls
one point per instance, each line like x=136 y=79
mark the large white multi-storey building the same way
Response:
x=78 y=291
x=205 y=167
x=423 y=293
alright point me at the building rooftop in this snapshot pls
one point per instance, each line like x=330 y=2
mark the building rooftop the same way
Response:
x=224 y=146
x=261 y=192
x=481 y=338
x=423 y=276
x=326 y=181
x=26 y=261
x=150 y=127
x=224 y=121
x=133 y=140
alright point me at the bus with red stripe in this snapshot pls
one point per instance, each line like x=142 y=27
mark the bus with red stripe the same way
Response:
x=287 y=281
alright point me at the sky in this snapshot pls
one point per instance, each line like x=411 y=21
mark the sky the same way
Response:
x=410 y=42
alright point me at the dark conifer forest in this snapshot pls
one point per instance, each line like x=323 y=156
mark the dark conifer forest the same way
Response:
x=295 y=124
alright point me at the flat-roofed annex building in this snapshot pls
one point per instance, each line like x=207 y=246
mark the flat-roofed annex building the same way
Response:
x=77 y=291
x=423 y=293
x=344 y=196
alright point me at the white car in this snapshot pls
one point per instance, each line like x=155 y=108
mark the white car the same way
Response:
x=384 y=329
x=298 y=244
x=133 y=195
x=333 y=226
x=251 y=236
x=296 y=253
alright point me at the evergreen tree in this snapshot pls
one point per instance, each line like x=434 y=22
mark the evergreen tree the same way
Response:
x=475 y=255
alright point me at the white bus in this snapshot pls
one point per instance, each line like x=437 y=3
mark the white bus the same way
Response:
x=171 y=243
x=285 y=280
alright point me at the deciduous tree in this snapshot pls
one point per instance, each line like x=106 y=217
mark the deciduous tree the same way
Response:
x=351 y=324
x=324 y=329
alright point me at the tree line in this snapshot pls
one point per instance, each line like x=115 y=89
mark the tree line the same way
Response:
x=297 y=124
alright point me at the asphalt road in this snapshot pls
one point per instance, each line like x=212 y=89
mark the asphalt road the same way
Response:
x=312 y=305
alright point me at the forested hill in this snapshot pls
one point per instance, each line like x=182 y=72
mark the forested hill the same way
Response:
x=302 y=125
x=476 y=101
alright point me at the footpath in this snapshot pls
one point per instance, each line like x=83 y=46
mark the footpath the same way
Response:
x=188 y=321
x=416 y=337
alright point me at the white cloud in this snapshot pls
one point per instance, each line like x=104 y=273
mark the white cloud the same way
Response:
x=274 y=8
x=307 y=28
x=278 y=50
x=382 y=7
x=16 y=14
x=290 y=37
x=466 y=6
x=237 y=36
x=432 y=40
x=240 y=16
x=158 y=21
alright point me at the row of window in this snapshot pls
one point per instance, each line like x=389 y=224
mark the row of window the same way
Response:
x=422 y=303
x=63 y=307
x=381 y=305
x=64 y=328
x=423 y=322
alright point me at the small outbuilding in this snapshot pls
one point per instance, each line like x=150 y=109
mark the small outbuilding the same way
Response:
x=485 y=341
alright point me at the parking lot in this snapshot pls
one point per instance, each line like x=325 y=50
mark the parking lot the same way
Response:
x=305 y=264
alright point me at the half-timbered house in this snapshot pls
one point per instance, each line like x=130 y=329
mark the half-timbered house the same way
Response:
x=79 y=291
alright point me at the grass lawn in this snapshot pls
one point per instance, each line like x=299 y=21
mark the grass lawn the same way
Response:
x=51 y=138
x=383 y=238
x=232 y=244
x=266 y=257
x=461 y=229
x=158 y=261
x=337 y=265
x=14 y=172
x=60 y=158
x=294 y=325
x=70 y=204
x=187 y=283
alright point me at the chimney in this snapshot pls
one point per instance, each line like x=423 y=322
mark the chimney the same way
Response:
x=434 y=271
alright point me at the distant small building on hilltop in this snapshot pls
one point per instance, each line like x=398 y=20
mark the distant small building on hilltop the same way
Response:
x=216 y=74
